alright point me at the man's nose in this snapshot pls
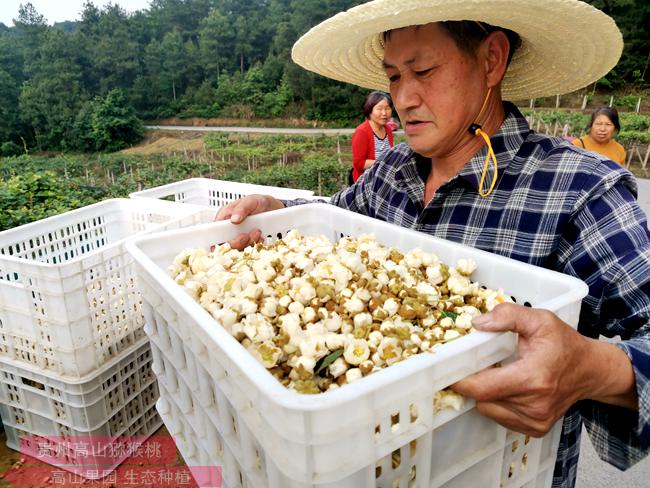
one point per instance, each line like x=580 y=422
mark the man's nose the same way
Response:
x=405 y=96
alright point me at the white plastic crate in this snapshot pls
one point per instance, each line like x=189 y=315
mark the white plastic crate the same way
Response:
x=216 y=193
x=68 y=301
x=216 y=394
x=45 y=410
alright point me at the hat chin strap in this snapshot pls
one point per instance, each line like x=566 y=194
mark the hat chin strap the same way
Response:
x=477 y=130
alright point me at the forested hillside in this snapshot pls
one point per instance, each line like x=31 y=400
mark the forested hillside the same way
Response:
x=85 y=86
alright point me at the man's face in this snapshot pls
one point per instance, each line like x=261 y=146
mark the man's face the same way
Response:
x=437 y=89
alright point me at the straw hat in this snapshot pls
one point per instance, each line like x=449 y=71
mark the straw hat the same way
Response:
x=565 y=44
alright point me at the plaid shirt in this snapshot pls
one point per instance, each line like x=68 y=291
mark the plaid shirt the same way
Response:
x=554 y=206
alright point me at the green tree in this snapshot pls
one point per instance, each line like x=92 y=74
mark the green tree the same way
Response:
x=114 y=122
x=50 y=99
x=216 y=41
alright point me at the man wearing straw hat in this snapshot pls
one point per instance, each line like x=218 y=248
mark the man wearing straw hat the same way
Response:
x=473 y=172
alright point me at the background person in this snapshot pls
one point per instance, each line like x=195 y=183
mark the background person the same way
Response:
x=604 y=122
x=373 y=137
x=474 y=173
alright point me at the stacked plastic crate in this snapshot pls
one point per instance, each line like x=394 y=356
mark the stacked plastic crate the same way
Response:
x=215 y=194
x=74 y=360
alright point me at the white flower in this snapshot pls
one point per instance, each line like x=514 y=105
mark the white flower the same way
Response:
x=354 y=305
x=464 y=321
x=391 y=306
x=338 y=367
x=413 y=259
x=296 y=307
x=290 y=323
x=252 y=291
x=269 y=307
x=362 y=320
x=193 y=288
x=374 y=338
x=429 y=259
x=244 y=306
x=434 y=274
x=334 y=341
x=383 y=278
x=264 y=272
x=225 y=316
x=308 y=315
x=389 y=350
x=466 y=266
x=305 y=363
x=363 y=294
x=266 y=353
x=451 y=334
x=303 y=293
x=303 y=263
x=446 y=322
x=353 y=374
x=333 y=323
x=459 y=285
x=356 y=351
x=428 y=291
x=473 y=311
x=313 y=342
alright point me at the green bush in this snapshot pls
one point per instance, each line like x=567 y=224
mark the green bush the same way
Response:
x=34 y=196
x=316 y=173
x=633 y=121
x=627 y=101
x=634 y=136
x=10 y=148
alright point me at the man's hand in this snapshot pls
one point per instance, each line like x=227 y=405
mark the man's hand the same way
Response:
x=238 y=210
x=556 y=367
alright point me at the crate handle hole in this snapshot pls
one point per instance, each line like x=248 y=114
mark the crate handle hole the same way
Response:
x=394 y=422
x=515 y=445
x=32 y=383
x=413 y=411
x=396 y=458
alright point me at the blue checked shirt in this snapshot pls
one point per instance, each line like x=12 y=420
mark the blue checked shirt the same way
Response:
x=558 y=207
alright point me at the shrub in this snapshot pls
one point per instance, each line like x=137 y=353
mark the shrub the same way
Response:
x=10 y=148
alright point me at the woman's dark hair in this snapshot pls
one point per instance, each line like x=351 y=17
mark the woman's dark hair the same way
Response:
x=610 y=112
x=373 y=99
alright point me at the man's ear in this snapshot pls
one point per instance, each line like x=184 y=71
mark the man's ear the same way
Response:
x=495 y=51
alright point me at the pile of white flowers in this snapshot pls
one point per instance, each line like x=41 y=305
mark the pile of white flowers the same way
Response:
x=319 y=315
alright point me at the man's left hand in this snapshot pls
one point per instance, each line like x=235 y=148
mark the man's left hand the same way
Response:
x=530 y=394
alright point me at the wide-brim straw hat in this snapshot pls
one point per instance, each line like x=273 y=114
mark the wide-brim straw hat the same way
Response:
x=565 y=44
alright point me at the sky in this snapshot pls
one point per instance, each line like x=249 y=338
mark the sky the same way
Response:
x=60 y=10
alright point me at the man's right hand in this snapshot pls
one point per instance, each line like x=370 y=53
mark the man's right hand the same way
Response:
x=238 y=210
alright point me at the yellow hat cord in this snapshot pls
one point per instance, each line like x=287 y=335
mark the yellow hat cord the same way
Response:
x=477 y=130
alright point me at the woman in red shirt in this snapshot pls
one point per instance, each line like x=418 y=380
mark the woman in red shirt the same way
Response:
x=372 y=138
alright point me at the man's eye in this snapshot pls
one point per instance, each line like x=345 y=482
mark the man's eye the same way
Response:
x=393 y=78
x=424 y=72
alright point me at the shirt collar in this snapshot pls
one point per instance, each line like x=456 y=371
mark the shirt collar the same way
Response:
x=505 y=143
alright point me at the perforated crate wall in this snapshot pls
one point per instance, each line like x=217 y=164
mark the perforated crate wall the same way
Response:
x=462 y=449
x=68 y=299
x=216 y=193
x=117 y=401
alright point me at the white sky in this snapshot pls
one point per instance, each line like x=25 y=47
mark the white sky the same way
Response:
x=60 y=10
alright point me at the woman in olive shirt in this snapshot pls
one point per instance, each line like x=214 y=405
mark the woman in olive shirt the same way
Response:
x=604 y=122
